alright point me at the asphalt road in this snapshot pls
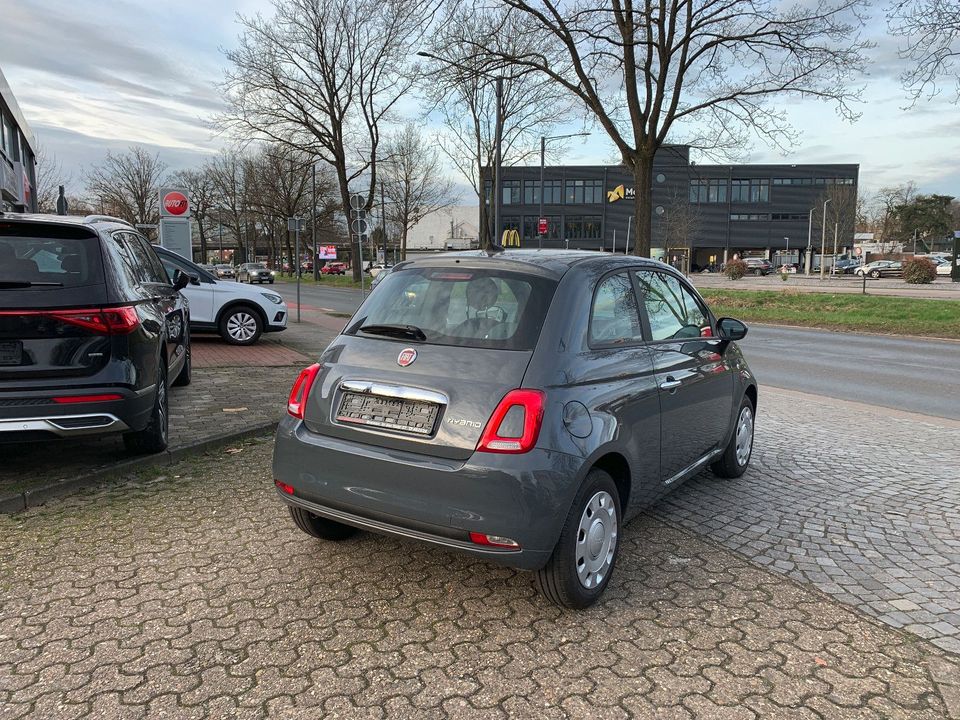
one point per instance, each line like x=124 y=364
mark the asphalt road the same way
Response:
x=921 y=376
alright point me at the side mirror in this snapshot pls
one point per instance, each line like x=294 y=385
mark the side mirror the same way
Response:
x=194 y=279
x=180 y=280
x=731 y=329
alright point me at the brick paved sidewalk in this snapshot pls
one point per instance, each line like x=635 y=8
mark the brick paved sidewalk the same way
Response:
x=192 y=594
x=861 y=501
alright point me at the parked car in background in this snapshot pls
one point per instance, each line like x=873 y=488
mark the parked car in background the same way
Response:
x=375 y=270
x=212 y=269
x=519 y=408
x=255 y=273
x=845 y=266
x=944 y=267
x=892 y=269
x=226 y=272
x=334 y=268
x=239 y=314
x=870 y=267
x=92 y=331
x=758 y=266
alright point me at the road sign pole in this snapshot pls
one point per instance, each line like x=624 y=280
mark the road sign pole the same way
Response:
x=298 y=271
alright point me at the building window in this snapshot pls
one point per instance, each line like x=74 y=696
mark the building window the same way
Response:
x=530 y=223
x=510 y=223
x=752 y=217
x=552 y=192
x=750 y=191
x=708 y=191
x=582 y=227
x=584 y=192
x=510 y=192
x=788 y=216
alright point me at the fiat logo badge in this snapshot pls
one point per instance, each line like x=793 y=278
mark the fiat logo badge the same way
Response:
x=406 y=357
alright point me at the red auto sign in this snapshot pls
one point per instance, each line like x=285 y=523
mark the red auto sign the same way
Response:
x=175 y=203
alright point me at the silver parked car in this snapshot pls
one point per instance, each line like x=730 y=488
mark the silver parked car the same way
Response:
x=519 y=407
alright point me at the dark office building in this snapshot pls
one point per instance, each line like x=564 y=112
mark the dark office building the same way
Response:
x=717 y=210
x=18 y=178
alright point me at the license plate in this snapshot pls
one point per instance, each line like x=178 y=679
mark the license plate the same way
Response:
x=408 y=416
x=11 y=353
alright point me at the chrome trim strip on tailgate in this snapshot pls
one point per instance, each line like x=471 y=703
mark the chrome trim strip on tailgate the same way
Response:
x=96 y=423
x=401 y=392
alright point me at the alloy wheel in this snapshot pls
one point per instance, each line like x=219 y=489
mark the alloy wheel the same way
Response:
x=242 y=326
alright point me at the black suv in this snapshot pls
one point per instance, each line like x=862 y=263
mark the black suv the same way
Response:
x=92 y=331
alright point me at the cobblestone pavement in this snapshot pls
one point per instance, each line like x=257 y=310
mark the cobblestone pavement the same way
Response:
x=194 y=595
x=211 y=351
x=860 y=501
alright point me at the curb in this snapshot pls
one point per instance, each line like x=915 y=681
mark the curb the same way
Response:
x=39 y=496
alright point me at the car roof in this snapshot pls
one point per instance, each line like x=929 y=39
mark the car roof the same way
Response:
x=105 y=222
x=550 y=263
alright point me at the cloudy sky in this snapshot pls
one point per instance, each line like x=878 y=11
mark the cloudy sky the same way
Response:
x=92 y=76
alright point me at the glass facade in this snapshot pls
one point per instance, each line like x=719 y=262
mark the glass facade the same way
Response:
x=750 y=191
x=584 y=192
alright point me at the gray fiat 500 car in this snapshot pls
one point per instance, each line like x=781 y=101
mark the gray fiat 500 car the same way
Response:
x=519 y=407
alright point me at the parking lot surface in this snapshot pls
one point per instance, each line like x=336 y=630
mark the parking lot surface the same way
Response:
x=190 y=593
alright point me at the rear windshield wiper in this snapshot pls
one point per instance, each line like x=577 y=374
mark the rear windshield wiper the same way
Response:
x=18 y=284
x=401 y=331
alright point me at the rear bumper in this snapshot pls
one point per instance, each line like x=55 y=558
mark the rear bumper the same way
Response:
x=33 y=415
x=522 y=497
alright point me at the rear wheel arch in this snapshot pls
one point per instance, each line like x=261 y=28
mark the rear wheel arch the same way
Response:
x=751 y=392
x=617 y=467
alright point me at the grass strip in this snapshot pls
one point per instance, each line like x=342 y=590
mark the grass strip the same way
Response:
x=864 y=313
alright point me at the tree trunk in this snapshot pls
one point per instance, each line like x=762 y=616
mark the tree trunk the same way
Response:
x=403 y=243
x=203 y=243
x=642 y=204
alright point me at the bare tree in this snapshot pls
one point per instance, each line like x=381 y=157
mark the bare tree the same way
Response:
x=681 y=223
x=127 y=185
x=201 y=185
x=231 y=174
x=931 y=31
x=412 y=181
x=322 y=76
x=710 y=69
x=463 y=94
x=841 y=217
x=50 y=176
x=886 y=220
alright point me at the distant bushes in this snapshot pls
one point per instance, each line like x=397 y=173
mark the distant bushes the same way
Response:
x=735 y=269
x=919 y=271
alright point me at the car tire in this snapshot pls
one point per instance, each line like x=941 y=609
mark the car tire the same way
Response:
x=241 y=325
x=271 y=282
x=874 y=274
x=736 y=456
x=185 y=376
x=154 y=437
x=585 y=556
x=758 y=272
x=319 y=527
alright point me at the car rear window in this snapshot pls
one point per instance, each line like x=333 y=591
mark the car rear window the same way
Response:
x=45 y=258
x=468 y=307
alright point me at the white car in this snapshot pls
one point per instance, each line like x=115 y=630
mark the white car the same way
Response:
x=239 y=313
x=944 y=268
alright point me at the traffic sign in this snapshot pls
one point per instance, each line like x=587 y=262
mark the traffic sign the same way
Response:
x=359 y=226
x=357 y=201
x=542 y=226
x=294 y=224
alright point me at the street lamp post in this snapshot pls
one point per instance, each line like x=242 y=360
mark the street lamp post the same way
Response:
x=808 y=257
x=823 y=238
x=498 y=159
x=543 y=152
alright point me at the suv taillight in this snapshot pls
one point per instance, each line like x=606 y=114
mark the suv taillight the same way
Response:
x=301 y=390
x=106 y=321
x=530 y=403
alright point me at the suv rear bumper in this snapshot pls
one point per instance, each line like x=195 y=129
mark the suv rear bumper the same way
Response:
x=522 y=497
x=33 y=415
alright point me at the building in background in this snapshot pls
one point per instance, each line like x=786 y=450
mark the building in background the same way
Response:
x=702 y=214
x=18 y=163
x=451 y=228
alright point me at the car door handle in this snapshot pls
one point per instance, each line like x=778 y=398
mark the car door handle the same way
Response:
x=671 y=383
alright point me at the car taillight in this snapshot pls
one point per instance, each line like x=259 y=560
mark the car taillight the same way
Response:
x=70 y=399
x=301 y=390
x=519 y=434
x=106 y=321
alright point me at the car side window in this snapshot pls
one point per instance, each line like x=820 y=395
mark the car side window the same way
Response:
x=128 y=261
x=673 y=311
x=157 y=272
x=614 y=316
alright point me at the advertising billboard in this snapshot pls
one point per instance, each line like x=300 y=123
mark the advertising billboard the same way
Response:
x=327 y=252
